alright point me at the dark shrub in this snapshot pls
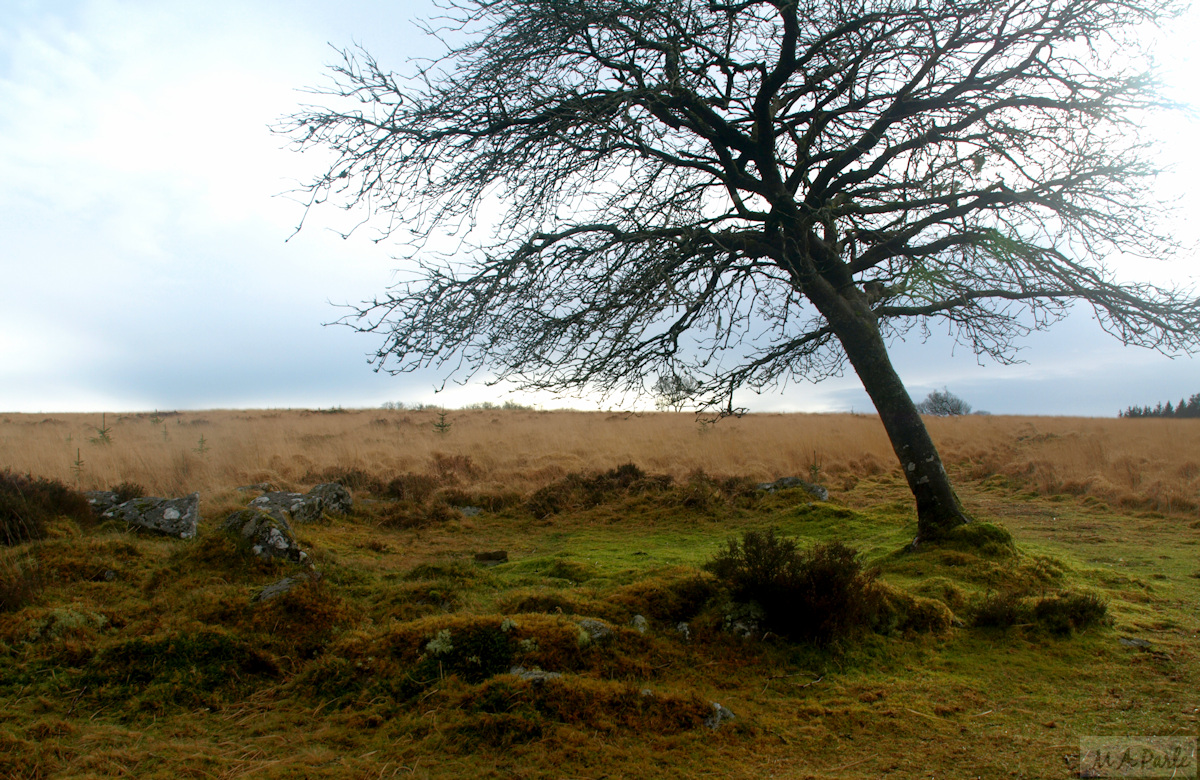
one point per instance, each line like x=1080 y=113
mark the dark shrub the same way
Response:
x=1062 y=613
x=998 y=610
x=818 y=594
x=350 y=477
x=20 y=582
x=584 y=491
x=1067 y=612
x=127 y=491
x=412 y=487
x=27 y=504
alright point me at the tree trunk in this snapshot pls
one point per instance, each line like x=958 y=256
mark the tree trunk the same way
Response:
x=938 y=509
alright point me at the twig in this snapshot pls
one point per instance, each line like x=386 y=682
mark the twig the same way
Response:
x=924 y=715
x=77 y=695
x=852 y=763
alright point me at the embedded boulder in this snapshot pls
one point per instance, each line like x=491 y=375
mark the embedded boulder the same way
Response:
x=102 y=500
x=176 y=517
x=594 y=631
x=337 y=499
x=265 y=534
x=307 y=507
x=788 y=483
x=285 y=585
x=720 y=715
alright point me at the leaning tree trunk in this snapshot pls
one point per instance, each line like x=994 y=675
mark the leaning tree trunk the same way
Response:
x=938 y=508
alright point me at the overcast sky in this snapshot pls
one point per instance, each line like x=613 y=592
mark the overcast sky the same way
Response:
x=144 y=260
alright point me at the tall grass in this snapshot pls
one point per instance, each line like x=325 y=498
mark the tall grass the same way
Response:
x=1150 y=463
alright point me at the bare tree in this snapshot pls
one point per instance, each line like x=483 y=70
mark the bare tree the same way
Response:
x=756 y=191
x=673 y=390
x=943 y=403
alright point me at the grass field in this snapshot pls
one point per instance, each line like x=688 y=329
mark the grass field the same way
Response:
x=132 y=655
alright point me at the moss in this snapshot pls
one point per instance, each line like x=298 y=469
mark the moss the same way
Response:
x=979 y=538
x=183 y=668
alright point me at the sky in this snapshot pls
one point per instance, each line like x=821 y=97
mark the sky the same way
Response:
x=147 y=255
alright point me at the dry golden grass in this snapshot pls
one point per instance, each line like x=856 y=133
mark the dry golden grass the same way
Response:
x=1152 y=464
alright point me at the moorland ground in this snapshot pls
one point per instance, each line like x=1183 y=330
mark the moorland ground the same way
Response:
x=127 y=654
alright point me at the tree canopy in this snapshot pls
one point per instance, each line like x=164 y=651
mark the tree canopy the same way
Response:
x=753 y=192
x=943 y=403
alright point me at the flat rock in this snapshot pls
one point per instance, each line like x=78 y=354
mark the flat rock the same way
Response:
x=307 y=507
x=1130 y=641
x=276 y=589
x=177 y=517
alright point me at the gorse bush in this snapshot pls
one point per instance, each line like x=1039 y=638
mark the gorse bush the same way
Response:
x=818 y=594
x=27 y=504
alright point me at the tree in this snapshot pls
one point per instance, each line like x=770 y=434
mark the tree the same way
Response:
x=756 y=191
x=943 y=404
x=673 y=391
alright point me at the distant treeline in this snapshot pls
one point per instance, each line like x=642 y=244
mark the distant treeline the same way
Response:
x=1188 y=408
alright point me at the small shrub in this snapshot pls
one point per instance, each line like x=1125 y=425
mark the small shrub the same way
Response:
x=450 y=467
x=412 y=487
x=474 y=653
x=819 y=594
x=584 y=491
x=127 y=491
x=349 y=477
x=1068 y=612
x=27 y=504
x=407 y=514
x=998 y=610
x=20 y=582
x=1062 y=613
x=671 y=601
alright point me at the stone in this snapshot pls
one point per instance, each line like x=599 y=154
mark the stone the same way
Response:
x=307 y=507
x=787 y=483
x=337 y=499
x=685 y=631
x=595 y=630
x=720 y=715
x=276 y=589
x=469 y=511
x=265 y=533
x=1128 y=641
x=261 y=487
x=640 y=624
x=102 y=500
x=494 y=558
x=176 y=517
x=535 y=676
